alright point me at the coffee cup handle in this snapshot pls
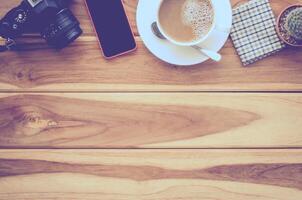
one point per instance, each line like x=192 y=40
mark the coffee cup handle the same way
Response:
x=223 y=29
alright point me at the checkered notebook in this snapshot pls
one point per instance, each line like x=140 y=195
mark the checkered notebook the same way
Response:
x=253 y=32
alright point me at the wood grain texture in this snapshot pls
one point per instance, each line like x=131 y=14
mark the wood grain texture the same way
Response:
x=151 y=174
x=142 y=120
x=147 y=120
x=82 y=68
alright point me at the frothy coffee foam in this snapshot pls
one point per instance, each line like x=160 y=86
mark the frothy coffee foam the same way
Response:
x=186 y=20
x=198 y=14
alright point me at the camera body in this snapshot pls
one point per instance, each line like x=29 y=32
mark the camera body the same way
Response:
x=55 y=22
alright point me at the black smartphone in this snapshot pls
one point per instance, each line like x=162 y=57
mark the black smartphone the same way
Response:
x=112 y=27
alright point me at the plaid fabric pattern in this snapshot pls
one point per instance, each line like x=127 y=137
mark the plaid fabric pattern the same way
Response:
x=253 y=31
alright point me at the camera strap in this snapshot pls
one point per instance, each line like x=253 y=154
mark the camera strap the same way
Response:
x=3 y=45
x=8 y=45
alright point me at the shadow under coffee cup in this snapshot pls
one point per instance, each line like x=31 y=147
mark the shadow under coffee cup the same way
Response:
x=192 y=20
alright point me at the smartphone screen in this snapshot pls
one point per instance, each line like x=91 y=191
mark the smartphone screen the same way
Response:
x=112 y=26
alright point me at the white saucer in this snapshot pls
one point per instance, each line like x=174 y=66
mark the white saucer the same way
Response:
x=173 y=54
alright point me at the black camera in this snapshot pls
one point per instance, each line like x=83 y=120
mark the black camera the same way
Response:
x=51 y=18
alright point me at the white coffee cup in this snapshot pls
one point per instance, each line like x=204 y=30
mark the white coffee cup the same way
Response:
x=200 y=41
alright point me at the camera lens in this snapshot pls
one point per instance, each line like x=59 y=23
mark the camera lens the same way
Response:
x=64 y=30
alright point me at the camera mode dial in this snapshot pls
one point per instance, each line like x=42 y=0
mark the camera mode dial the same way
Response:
x=21 y=16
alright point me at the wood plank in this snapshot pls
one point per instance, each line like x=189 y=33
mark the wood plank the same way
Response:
x=150 y=120
x=151 y=174
x=82 y=68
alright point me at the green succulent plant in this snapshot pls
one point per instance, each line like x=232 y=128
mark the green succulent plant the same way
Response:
x=294 y=23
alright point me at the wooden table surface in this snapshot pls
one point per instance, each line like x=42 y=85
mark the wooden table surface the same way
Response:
x=75 y=126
